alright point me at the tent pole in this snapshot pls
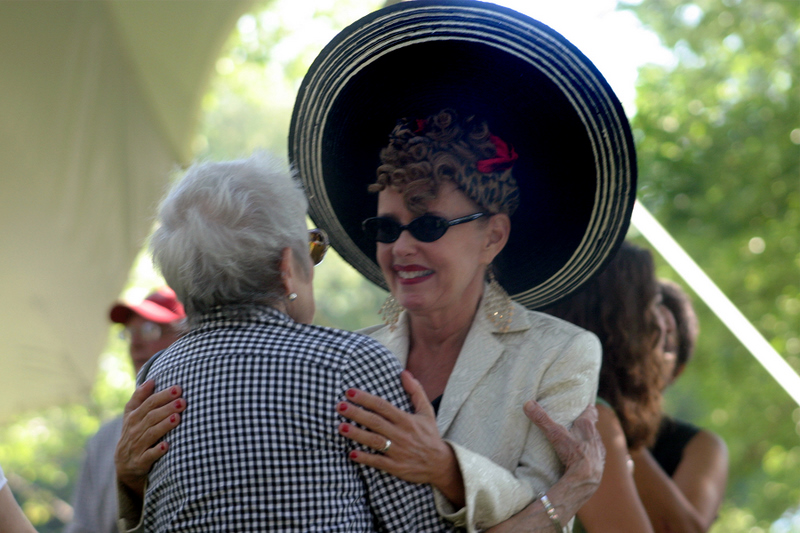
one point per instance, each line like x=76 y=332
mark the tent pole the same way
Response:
x=720 y=305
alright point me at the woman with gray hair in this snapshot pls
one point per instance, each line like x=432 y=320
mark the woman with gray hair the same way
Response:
x=259 y=448
x=226 y=231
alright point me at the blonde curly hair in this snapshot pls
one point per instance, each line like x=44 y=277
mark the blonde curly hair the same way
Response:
x=423 y=154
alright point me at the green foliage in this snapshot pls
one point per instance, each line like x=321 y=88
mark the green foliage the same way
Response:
x=717 y=138
x=251 y=98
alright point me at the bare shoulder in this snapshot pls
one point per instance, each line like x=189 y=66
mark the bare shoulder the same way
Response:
x=706 y=448
x=702 y=474
x=710 y=440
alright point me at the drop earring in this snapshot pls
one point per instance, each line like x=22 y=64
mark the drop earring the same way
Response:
x=499 y=306
x=390 y=312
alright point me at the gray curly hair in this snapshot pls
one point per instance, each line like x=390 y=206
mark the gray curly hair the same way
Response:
x=222 y=230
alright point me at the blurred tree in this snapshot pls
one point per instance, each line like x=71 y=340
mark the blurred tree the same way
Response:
x=718 y=138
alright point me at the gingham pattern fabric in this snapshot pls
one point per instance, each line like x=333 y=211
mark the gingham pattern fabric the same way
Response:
x=257 y=448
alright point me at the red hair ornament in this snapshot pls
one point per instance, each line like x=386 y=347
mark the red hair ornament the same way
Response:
x=506 y=155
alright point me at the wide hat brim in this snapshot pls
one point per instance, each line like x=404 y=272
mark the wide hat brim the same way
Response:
x=577 y=167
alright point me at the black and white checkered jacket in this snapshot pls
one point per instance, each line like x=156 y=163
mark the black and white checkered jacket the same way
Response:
x=258 y=449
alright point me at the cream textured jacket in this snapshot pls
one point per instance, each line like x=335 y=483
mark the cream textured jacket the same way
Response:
x=505 y=459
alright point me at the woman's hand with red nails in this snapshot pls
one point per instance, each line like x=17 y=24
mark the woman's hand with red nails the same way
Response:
x=147 y=418
x=417 y=452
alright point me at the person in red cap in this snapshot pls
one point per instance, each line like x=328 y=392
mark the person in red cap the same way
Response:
x=150 y=326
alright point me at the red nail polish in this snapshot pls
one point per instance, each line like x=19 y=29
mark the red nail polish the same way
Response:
x=172 y=419
x=163 y=446
x=353 y=455
x=174 y=391
x=342 y=406
x=344 y=428
x=351 y=393
x=178 y=404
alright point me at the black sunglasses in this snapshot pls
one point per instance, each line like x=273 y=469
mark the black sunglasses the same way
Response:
x=426 y=228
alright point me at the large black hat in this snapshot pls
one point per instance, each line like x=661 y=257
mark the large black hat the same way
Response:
x=577 y=167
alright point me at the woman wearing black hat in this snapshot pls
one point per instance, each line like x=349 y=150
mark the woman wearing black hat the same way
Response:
x=506 y=184
x=445 y=196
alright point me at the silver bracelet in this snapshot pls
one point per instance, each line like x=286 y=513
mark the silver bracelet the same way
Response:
x=551 y=512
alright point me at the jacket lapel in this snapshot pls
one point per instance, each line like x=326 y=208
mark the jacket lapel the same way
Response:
x=482 y=348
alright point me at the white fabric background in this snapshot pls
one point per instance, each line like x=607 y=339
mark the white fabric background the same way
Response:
x=98 y=103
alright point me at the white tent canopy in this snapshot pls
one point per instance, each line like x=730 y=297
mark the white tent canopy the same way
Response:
x=98 y=103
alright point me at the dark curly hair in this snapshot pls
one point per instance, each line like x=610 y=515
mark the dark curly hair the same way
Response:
x=422 y=154
x=688 y=328
x=616 y=306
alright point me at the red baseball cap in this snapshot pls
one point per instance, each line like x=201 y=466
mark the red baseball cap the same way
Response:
x=161 y=307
